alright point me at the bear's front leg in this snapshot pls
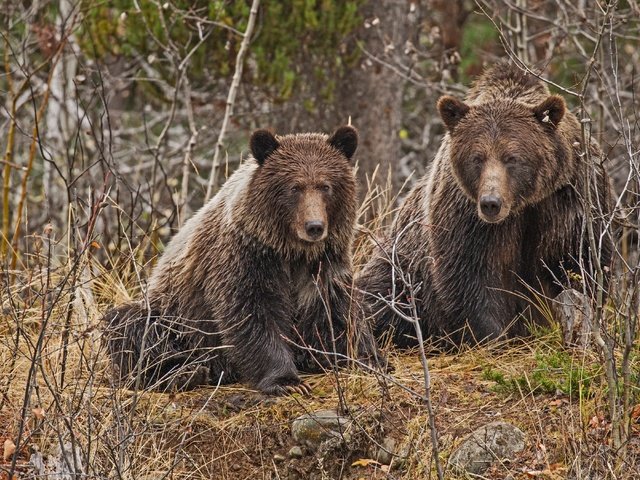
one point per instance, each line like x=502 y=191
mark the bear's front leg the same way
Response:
x=263 y=358
x=331 y=329
x=255 y=319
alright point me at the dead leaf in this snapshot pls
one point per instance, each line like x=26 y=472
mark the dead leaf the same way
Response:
x=594 y=422
x=534 y=473
x=9 y=449
x=557 y=467
x=364 y=462
x=554 y=472
x=38 y=412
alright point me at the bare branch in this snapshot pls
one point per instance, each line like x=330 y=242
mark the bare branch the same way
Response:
x=231 y=99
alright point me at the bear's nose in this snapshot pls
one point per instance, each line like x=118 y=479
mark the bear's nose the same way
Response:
x=314 y=228
x=490 y=205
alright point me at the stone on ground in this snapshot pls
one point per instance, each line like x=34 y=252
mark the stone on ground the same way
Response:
x=311 y=429
x=497 y=441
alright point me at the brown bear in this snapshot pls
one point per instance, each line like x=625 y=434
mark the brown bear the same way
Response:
x=496 y=225
x=258 y=284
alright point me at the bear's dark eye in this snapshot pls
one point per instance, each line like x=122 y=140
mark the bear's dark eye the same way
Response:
x=295 y=189
x=510 y=160
x=477 y=159
x=324 y=188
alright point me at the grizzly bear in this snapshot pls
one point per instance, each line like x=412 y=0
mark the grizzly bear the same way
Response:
x=497 y=226
x=258 y=284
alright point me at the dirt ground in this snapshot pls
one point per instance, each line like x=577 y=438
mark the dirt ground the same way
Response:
x=553 y=395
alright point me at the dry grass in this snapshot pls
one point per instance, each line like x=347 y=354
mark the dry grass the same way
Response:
x=232 y=432
x=56 y=394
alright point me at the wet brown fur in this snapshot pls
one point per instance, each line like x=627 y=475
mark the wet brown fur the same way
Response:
x=241 y=289
x=474 y=278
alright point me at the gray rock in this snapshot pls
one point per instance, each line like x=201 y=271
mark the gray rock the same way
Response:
x=278 y=458
x=67 y=462
x=385 y=452
x=36 y=462
x=296 y=452
x=573 y=311
x=311 y=429
x=495 y=441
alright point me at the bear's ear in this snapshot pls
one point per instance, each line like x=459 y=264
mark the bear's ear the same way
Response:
x=263 y=143
x=452 y=111
x=345 y=139
x=551 y=111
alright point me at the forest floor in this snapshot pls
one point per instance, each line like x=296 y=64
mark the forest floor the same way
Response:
x=57 y=396
x=554 y=395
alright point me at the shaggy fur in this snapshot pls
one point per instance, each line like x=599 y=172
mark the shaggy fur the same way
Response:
x=258 y=274
x=500 y=214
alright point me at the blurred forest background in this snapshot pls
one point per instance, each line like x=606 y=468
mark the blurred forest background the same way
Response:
x=116 y=107
x=119 y=118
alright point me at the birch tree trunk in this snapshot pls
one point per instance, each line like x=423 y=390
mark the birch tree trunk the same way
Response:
x=63 y=110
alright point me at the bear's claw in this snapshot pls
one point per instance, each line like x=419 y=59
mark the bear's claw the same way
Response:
x=302 y=388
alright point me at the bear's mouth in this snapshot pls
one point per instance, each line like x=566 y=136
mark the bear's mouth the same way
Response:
x=496 y=219
x=307 y=239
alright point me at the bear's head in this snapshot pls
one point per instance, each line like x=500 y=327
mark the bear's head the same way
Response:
x=506 y=155
x=304 y=187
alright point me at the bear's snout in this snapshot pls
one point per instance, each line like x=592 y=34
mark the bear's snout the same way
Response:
x=312 y=223
x=494 y=192
x=315 y=229
x=493 y=207
x=490 y=206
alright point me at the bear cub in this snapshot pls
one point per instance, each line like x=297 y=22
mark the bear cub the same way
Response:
x=497 y=224
x=257 y=285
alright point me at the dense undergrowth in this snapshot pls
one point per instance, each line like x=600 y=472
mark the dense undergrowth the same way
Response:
x=57 y=396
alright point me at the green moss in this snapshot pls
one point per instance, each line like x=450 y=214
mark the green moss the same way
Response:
x=553 y=371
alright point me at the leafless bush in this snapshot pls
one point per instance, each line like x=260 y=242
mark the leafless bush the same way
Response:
x=94 y=179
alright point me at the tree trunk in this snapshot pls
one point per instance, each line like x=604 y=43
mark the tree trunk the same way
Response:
x=371 y=94
x=63 y=111
x=450 y=16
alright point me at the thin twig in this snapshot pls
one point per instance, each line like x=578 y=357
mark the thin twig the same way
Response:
x=413 y=318
x=186 y=163
x=231 y=98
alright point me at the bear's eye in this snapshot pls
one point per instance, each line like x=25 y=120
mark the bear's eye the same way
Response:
x=477 y=159
x=324 y=188
x=510 y=160
x=295 y=189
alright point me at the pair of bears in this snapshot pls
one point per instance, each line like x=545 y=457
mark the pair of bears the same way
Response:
x=258 y=285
